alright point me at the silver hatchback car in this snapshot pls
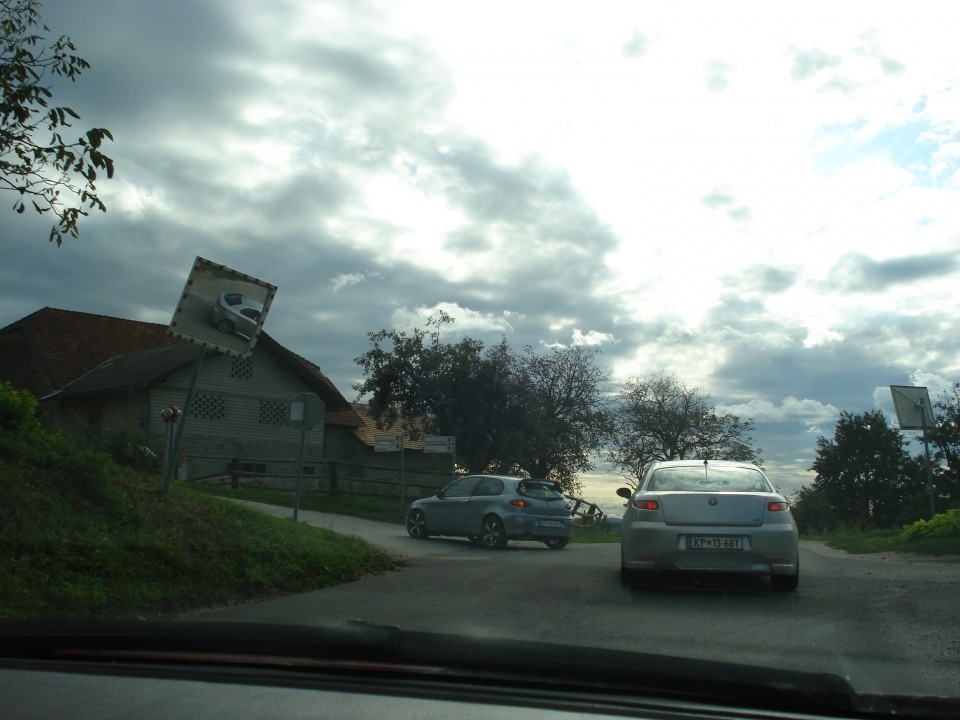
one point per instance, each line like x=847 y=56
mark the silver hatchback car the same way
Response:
x=237 y=313
x=708 y=516
x=489 y=510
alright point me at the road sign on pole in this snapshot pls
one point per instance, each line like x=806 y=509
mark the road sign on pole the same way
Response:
x=393 y=442
x=439 y=443
x=914 y=412
x=388 y=443
x=306 y=411
x=443 y=444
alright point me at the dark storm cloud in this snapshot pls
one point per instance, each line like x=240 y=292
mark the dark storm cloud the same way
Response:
x=860 y=273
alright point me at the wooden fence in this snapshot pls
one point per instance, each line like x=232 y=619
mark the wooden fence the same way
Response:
x=331 y=477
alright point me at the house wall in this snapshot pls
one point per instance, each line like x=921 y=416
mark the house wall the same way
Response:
x=240 y=409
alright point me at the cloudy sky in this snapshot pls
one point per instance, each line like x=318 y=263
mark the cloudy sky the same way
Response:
x=759 y=198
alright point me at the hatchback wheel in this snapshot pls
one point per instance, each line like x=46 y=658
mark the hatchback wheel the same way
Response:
x=417 y=525
x=556 y=543
x=225 y=326
x=492 y=534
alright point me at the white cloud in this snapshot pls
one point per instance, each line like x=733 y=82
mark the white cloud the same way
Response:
x=344 y=280
x=466 y=321
x=790 y=409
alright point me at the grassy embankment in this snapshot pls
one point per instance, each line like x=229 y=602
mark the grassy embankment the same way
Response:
x=81 y=536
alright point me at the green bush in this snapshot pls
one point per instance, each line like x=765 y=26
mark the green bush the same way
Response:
x=944 y=525
x=18 y=412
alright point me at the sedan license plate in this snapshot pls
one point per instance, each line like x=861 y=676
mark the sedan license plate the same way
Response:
x=713 y=542
x=550 y=523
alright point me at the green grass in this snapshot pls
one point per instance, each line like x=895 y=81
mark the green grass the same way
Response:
x=370 y=508
x=122 y=552
x=381 y=509
x=877 y=541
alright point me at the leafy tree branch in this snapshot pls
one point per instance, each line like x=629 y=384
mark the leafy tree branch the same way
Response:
x=38 y=165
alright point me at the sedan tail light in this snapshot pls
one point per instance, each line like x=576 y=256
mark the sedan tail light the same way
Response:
x=520 y=502
x=646 y=504
x=777 y=506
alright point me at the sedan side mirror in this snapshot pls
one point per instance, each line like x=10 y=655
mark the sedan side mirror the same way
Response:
x=624 y=492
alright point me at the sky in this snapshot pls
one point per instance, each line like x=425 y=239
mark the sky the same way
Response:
x=760 y=199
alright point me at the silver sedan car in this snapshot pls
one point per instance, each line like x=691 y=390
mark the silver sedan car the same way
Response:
x=489 y=510
x=708 y=516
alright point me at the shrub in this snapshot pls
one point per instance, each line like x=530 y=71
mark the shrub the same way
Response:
x=944 y=525
x=18 y=411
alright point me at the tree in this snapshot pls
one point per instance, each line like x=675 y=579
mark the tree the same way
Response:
x=36 y=162
x=945 y=437
x=564 y=419
x=526 y=415
x=864 y=473
x=457 y=389
x=659 y=418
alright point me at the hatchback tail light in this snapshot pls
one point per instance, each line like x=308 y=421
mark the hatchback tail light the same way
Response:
x=520 y=502
x=646 y=504
x=777 y=506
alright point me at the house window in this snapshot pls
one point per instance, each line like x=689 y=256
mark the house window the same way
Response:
x=209 y=407
x=242 y=368
x=274 y=412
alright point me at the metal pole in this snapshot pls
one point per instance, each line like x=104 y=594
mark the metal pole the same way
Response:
x=926 y=454
x=168 y=475
x=402 y=476
x=303 y=442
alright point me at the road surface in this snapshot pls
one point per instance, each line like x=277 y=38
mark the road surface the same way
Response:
x=886 y=622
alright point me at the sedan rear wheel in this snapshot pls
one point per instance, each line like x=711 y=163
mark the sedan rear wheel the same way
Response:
x=556 y=543
x=417 y=525
x=492 y=534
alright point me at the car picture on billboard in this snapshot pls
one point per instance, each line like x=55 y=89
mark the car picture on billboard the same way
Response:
x=222 y=308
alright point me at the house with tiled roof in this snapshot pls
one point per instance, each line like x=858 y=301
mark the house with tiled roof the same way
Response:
x=112 y=375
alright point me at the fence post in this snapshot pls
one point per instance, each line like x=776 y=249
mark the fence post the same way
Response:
x=234 y=467
x=333 y=479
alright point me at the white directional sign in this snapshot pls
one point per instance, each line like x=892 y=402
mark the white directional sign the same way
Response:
x=439 y=443
x=388 y=443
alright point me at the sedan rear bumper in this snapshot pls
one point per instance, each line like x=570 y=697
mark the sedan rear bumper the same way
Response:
x=764 y=550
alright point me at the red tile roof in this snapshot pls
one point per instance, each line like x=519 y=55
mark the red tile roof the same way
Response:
x=368 y=431
x=66 y=344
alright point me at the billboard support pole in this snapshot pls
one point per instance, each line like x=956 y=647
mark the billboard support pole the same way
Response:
x=911 y=404
x=175 y=453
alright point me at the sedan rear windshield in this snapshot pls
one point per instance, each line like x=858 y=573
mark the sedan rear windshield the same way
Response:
x=709 y=479
x=539 y=490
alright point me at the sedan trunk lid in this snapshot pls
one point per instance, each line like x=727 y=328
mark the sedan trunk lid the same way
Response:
x=716 y=509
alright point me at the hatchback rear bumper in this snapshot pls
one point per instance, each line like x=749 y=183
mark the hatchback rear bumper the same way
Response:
x=531 y=527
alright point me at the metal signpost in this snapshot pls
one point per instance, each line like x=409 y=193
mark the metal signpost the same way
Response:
x=392 y=442
x=443 y=444
x=914 y=412
x=306 y=411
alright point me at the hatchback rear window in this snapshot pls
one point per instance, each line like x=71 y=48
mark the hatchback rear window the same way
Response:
x=539 y=490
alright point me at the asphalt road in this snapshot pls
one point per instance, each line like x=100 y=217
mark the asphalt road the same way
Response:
x=888 y=623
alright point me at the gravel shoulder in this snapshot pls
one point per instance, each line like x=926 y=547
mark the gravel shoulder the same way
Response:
x=884 y=557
